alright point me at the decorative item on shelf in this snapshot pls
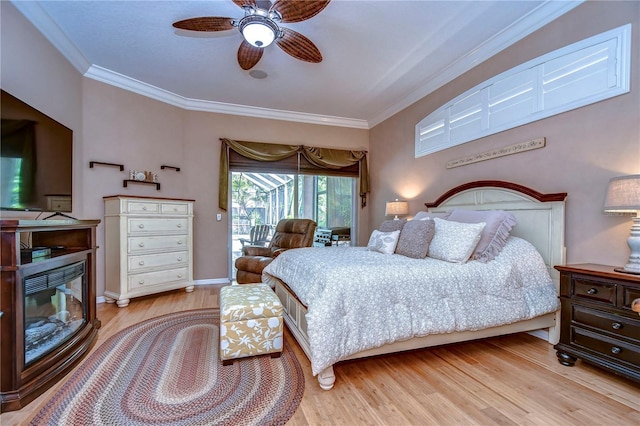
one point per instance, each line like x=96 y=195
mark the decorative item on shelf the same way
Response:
x=623 y=196
x=143 y=176
x=100 y=163
x=396 y=208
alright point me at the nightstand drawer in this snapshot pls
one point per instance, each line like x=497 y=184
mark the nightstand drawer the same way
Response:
x=606 y=346
x=628 y=296
x=600 y=291
x=613 y=324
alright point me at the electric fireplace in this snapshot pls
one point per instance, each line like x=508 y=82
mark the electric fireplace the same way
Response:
x=53 y=309
x=47 y=304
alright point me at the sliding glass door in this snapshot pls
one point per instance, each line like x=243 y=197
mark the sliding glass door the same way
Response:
x=259 y=199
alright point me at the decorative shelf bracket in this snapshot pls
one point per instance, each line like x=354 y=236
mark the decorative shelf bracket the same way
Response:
x=126 y=182
x=177 y=169
x=100 y=163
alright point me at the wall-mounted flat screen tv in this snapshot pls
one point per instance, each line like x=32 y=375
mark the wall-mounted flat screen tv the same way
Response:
x=36 y=154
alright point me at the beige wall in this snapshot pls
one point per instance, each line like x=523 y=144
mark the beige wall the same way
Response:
x=585 y=147
x=116 y=126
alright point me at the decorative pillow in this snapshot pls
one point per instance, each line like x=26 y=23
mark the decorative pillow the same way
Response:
x=383 y=242
x=415 y=238
x=392 y=225
x=494 y=235
x=422 y=215
x=454 y=241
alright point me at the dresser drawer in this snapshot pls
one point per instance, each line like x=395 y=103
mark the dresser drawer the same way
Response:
x=609 y=347
x=601 y=291
x=617 y=325
x=146 y=225
x=168 y=243
x=142 y=207
x=150 y=279
x=164 y=260
x=174 y=208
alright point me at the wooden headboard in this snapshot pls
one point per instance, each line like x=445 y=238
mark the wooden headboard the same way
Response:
x=540 y=216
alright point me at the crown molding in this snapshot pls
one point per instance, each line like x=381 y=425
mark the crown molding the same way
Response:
x=533 y=21
x=127 y=83
x=536 y=19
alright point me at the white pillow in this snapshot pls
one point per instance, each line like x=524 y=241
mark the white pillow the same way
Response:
x=383 y=242
x=454 y=241
x=422 y=215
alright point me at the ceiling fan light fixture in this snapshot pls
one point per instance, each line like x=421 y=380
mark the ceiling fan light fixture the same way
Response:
x=259 y=31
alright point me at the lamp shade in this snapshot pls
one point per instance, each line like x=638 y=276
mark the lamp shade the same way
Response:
x=623 y=194
x=396 y=208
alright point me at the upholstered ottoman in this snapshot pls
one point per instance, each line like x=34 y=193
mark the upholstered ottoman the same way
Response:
x=250 y=322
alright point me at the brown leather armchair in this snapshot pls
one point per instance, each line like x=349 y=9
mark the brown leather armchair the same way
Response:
x=289 y=233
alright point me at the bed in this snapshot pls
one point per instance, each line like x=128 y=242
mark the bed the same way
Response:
x=322 y=313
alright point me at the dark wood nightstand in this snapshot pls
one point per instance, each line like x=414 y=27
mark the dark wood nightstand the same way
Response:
x=598 y=324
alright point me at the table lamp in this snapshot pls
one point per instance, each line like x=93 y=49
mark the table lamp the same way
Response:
x=623 y=196
x=396 y=208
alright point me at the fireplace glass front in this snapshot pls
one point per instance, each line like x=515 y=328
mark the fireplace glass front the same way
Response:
x=54 y=309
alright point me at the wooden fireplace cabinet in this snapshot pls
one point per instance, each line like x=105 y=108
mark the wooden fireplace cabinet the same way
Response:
x=71 y=241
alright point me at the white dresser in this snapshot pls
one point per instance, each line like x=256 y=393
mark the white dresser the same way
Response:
x=148 y=246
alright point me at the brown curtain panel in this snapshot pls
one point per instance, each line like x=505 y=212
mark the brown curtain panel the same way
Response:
x=322 y=159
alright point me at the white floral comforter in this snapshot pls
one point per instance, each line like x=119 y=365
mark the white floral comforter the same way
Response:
x=359 y=299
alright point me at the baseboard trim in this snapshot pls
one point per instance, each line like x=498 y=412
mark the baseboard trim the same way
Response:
x=212 y=281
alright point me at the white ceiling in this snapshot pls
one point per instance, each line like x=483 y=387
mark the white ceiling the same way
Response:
x=378 y=56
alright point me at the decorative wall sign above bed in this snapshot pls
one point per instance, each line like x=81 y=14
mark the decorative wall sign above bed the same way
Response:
x=498 y=152
x=583 y=73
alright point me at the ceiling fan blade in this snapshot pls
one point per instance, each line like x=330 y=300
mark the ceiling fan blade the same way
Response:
x=298 y=46
x=243 y=3
x=296 y=11
x=205 y=23
x=248 y=55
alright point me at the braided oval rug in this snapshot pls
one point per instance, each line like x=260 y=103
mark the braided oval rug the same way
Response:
x=166 y=371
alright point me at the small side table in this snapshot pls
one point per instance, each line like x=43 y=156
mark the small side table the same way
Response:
x=598 y=323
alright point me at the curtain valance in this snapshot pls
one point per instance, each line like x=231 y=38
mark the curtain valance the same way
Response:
x=322 y=158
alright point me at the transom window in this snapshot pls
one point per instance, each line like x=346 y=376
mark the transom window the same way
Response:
x=583 y=73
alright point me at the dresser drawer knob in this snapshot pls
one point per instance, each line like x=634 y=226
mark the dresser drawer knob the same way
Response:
x=144 y=207
x=179 y=225
x=179 y=275
x=592 y=291
x=141 y=282
x=179 y=242
x=141 y=226
x=179 y=258
x=616 y=326
x=616 y=350
x=141 y=244
x=141 y=263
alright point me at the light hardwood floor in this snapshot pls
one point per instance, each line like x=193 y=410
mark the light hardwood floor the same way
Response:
x=507 y=380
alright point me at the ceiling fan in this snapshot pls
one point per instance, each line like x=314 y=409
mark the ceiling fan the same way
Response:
x=260 y=28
